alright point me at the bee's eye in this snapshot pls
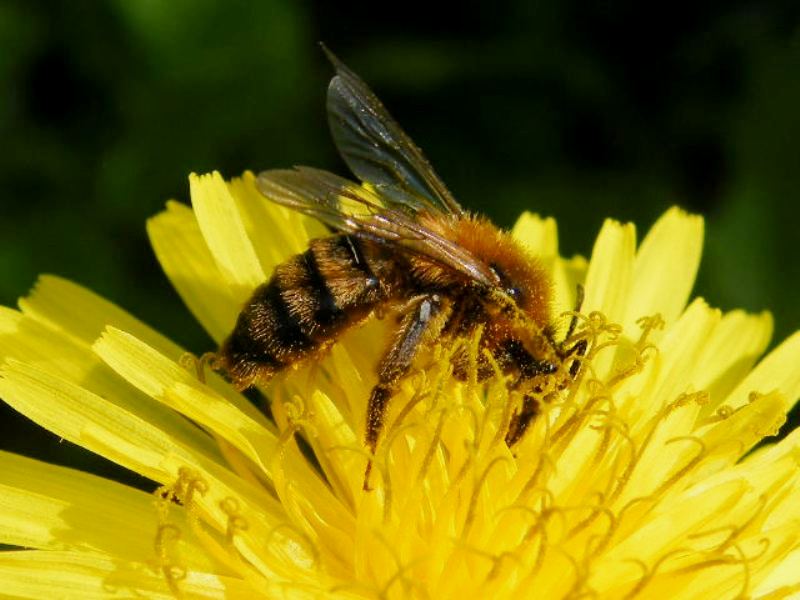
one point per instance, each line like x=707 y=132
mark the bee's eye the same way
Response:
x=514 y=293
x=511 y=291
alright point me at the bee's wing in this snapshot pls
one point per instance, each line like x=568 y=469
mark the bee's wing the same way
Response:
x=378 y=151
x=351 y=208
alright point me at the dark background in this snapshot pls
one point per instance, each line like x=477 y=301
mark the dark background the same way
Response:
x=579 y=110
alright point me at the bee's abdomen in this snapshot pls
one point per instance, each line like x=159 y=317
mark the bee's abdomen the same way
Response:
x=309 y=300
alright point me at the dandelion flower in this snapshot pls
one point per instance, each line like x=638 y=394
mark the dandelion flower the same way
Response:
x=643 y=478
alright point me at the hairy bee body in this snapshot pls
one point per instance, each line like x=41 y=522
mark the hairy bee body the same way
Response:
x=400 y=244
x=309 y=301
x=339 y=281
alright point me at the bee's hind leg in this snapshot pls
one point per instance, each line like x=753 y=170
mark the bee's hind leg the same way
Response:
x=418 y=327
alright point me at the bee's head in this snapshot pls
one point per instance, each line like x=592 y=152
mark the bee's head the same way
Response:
x=522 y=287
x=520 y=283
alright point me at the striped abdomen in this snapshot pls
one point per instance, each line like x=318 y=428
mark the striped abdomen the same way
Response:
x=309 y=300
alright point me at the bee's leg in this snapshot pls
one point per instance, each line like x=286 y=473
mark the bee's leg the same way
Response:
x=578 y=349
x=417 y=328
x=521 y=419
x=530 y=407
x=579 y=295
x=529 y=367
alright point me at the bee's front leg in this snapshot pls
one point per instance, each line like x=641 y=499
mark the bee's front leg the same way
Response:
x=418 y=327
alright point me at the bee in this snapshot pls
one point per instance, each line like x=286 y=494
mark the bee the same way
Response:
x=399 y=243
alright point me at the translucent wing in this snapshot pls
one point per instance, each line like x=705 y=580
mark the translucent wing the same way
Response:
x=351 y=208
x=378 y=151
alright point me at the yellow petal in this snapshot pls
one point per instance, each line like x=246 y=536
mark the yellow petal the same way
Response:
x=50 y=507
x=729 y=354
x=82 y=317
x=85 y=576
x=539 y=236
x=166 y=381
x=314 y=508
x=186 y=260
x=225 y=234
x=679 y=349
x=666 y=267
x=782 y=581
x=778 y=371
x=67 y=410
x=672 y=526
x=726 y=441
x=36 y=343
x=659 y=424
x=78 y=312
x=608 y=280
x=85 y=419
x=276 y=231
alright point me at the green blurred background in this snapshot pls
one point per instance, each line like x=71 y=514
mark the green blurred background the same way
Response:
x=579 y=110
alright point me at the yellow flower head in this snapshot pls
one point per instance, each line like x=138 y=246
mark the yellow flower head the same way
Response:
x=639 y=479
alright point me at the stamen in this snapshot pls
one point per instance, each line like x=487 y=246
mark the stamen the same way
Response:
x=680 y=473
x=650 y=572
x=418 y=397
x=581 y=575
x=299 y=417
x=577 y=418
x=240 y=464
x=432 y=445
x=637 y=367
x=498 y=562
x=208 y=359
x=652 y=500
x=596 y=511
x=605 y=416
x=545 y=461
x=622 y=480
x=385 y=470
x=181 y=492
x=649 y=325
x=722 y=413
x=740 y=559
x=473 y=502
x=400 y=573
x=188 y=483
x=167 y=537
x=547 y=500
x=735 y=530
x=474 y=440
x=745 y=562
x=504 y=402
x=638 y=450
x=538 y=529
x=236 y=523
